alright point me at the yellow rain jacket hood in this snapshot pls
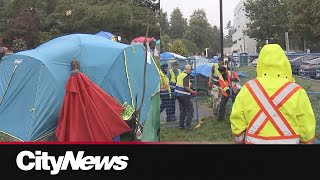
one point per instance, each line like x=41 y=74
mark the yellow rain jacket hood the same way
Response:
x=273 y=71
x=273 y=63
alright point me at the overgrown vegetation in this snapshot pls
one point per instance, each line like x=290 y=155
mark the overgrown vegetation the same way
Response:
x=38 y=21
x=196 y=35
x=271 y=19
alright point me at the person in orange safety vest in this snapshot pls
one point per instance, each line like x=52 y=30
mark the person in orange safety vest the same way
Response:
x=225 y=80
x=272 y=108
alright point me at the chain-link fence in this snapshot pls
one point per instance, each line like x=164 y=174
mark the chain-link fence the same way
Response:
x=315 y=103
x=302 y=64
x=170 y=110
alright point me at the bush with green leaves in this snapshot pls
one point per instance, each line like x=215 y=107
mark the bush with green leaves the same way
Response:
x=19 y=44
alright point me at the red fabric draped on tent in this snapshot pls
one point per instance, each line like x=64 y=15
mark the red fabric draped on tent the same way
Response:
x=88 y=113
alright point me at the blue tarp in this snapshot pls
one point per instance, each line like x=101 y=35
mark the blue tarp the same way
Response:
x=205 y=70
x=104 y=34
x=165 y=56
x=36 y=78
x=213 y=60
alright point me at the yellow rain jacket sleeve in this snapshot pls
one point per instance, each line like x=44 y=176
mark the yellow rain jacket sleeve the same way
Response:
x=305 y=117
x=237 y=118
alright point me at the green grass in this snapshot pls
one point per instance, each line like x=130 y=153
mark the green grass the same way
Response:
x=212 y=131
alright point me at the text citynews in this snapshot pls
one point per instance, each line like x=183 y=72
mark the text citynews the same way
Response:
x=42 y=161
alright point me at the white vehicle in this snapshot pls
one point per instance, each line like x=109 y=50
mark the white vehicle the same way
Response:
x=254 y=62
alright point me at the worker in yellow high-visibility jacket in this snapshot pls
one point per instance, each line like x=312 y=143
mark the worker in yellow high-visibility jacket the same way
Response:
x=172 y=75
x=165 y=91
x=272 y=109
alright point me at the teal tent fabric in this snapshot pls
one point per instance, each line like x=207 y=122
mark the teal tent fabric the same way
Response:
x=151 y=129
x=32 y=82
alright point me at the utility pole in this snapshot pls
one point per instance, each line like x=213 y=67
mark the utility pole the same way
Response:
x=221 y=29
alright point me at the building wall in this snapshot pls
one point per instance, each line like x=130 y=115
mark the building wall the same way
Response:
x=227 y=50
x=242 y=43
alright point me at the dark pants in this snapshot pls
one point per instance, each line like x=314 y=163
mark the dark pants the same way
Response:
x=223 y=104
x=186 y=110
x=165 y=103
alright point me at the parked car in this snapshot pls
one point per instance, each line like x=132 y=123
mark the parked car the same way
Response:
x=310 y=68
x=298 y=61
x=318 y=73
x=254 y=62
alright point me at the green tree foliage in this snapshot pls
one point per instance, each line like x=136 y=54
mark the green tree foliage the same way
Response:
x=26 y=24
x=191 y=47
x=305 y=21
x=269 y=20
x=201 y=32
x=214 y=38
x=178 y=24
x=178 y=47
x=198 y=29
x=126 y=18
x=228 y=38
x=196 y=36
x=164 y=23
x=165 y=41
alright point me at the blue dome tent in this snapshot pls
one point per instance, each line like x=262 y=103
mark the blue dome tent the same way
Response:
x=169 y=57
x=104 y=34
x=32 y=82
x=165 y=56
x=204 y=69
x=213 y=60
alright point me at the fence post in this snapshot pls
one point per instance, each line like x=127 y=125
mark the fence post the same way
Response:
x=196 y=88
x=230 y=85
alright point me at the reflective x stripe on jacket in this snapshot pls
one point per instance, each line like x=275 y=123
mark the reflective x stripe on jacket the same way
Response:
x=270 y=111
